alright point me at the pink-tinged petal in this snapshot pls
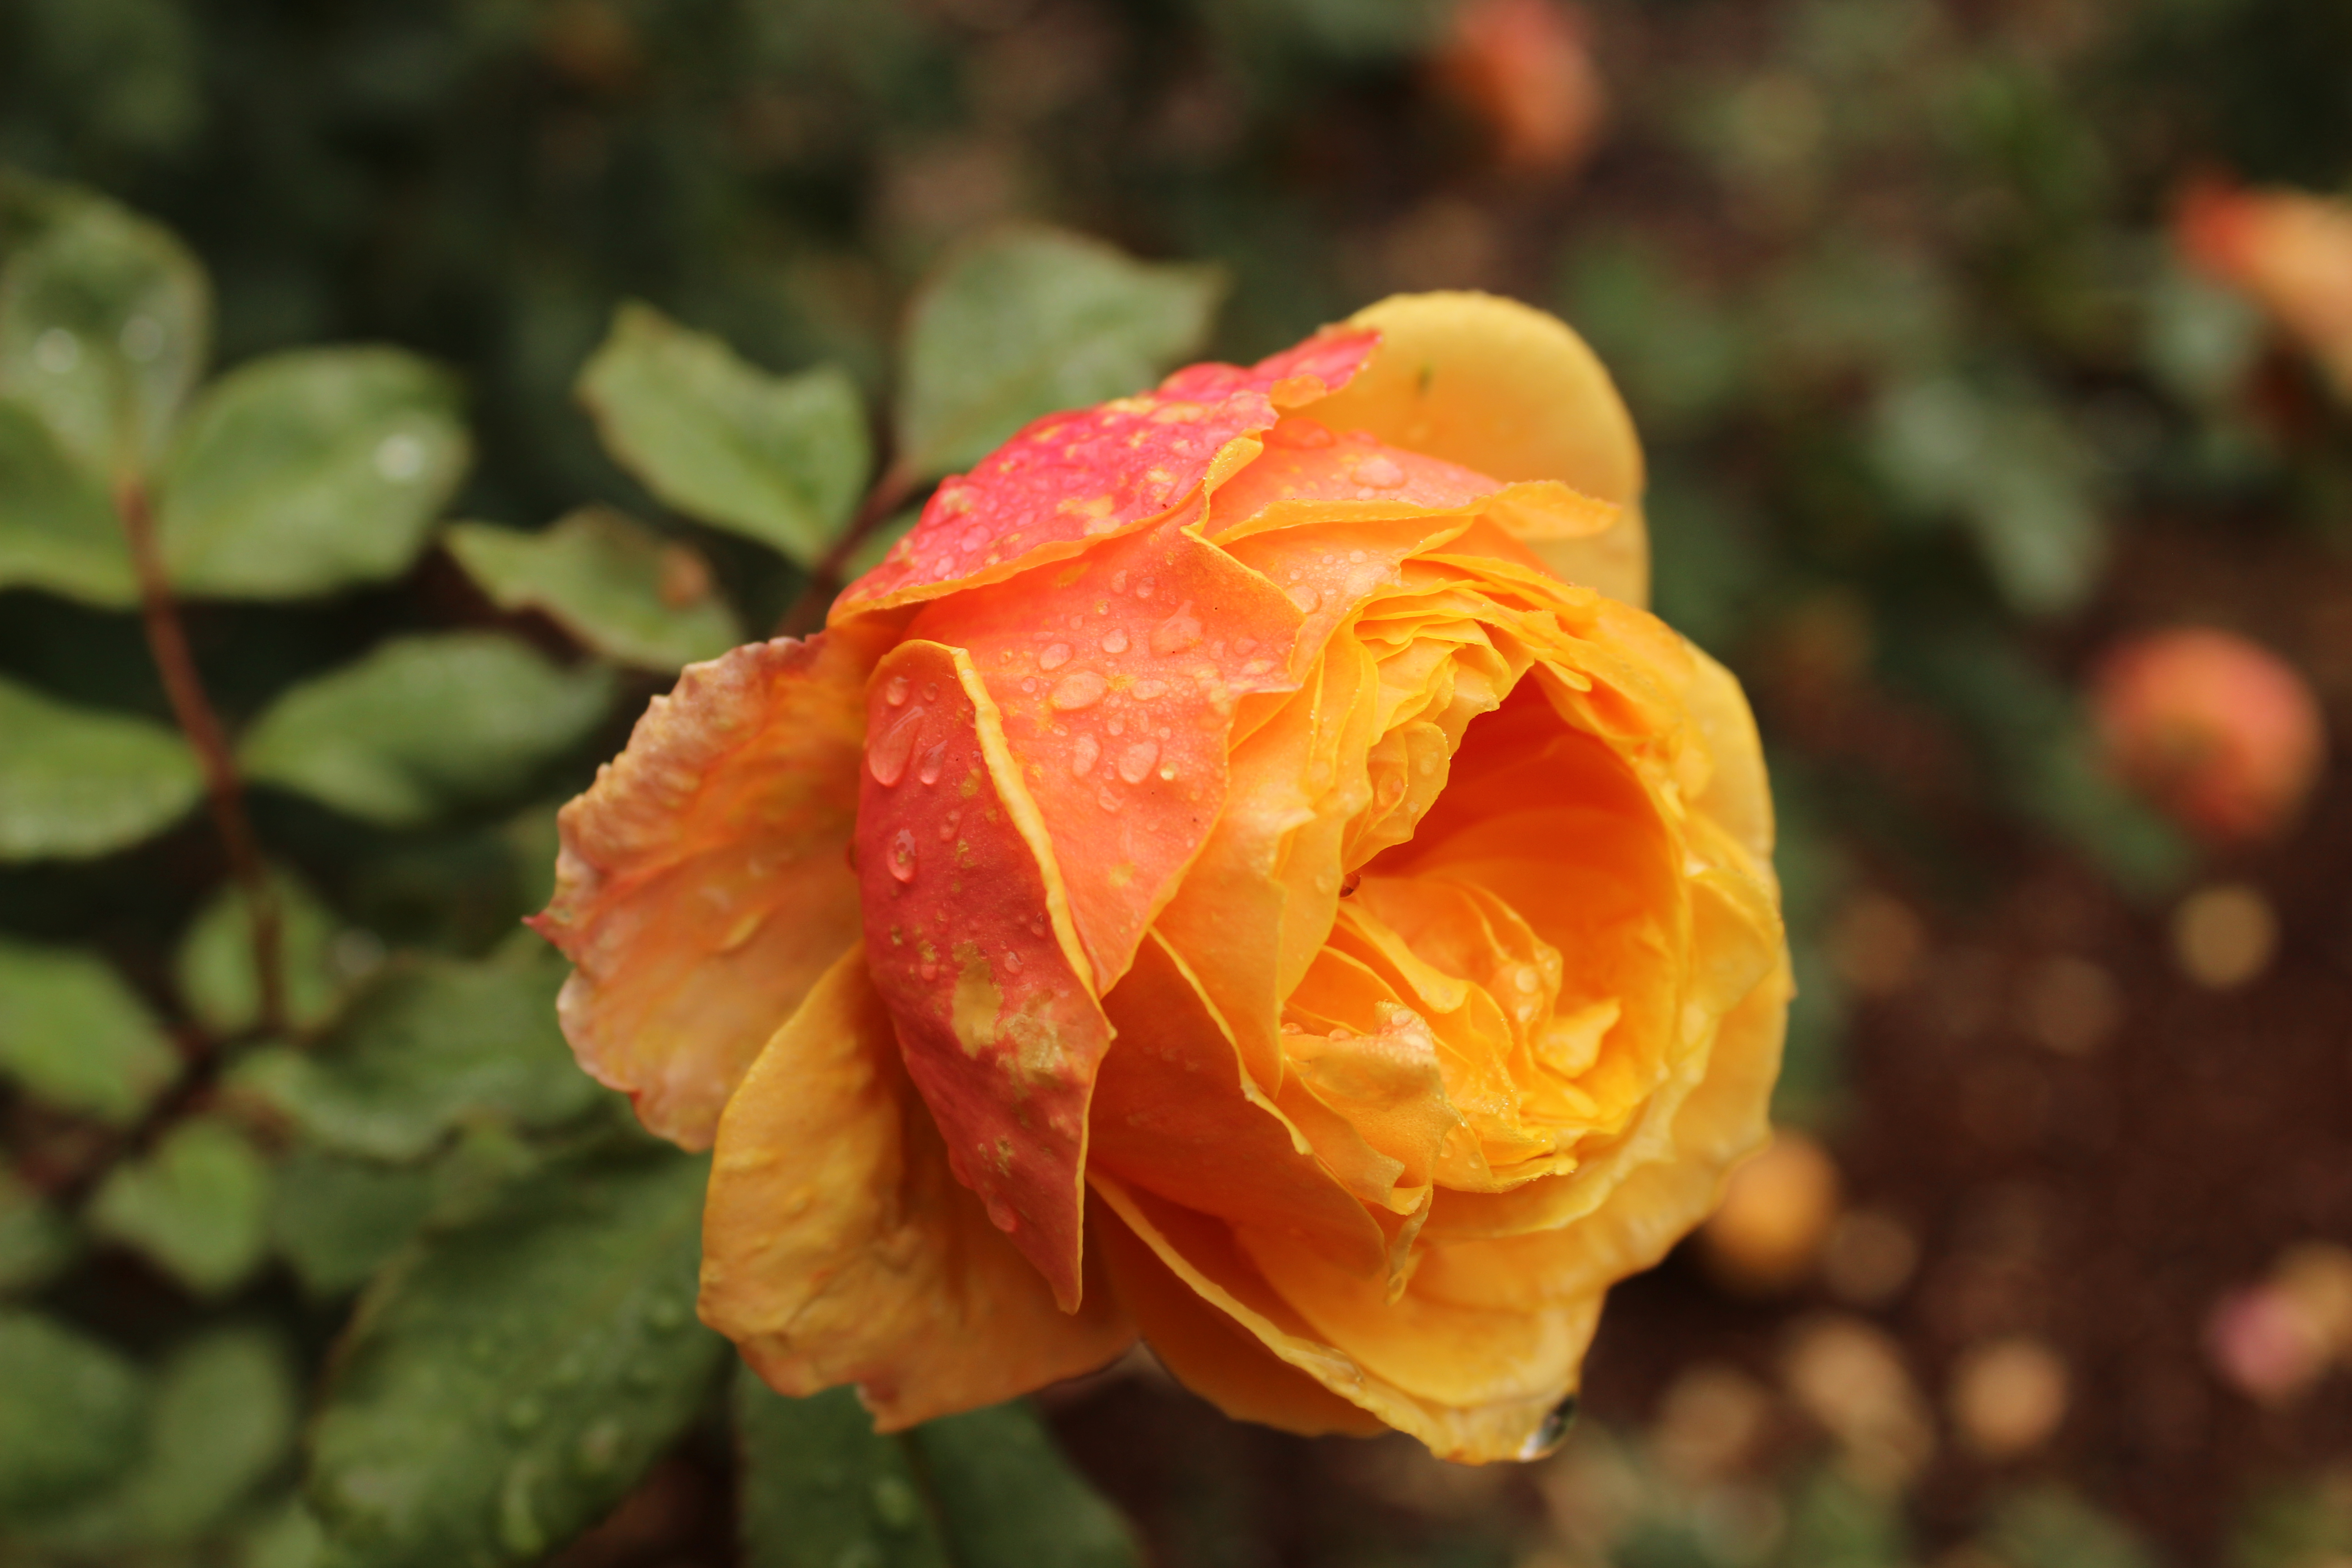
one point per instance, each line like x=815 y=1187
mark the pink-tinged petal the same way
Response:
x=1070 y=478
x=1117 y=675
x=968 y=935
x=837 y=1249
x=703 y=884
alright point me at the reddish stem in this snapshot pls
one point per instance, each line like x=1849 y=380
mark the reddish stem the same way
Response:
x=807 y=611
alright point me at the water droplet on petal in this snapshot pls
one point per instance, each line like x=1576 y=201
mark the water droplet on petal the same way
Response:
x=901 y=859
x=1168 y=772
x=1380 y=471
x=894 y=691
x=1107 y=800
x=1177 y=633
x=1135 y=762
x=1145 y=691
x=1012 y=962
x=1116 y=642
x=887 y=753
x=1083 y=690
x=933 y=760
x=1119 y=581
x=1305 y=597
x=930 y=691
x=1055 y=657
x=1083 y=754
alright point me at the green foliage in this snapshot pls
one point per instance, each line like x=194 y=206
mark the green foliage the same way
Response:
x=76 y=783
x=618 y=588
x=2050 y=1528
x=335 y=1220
x=75 y=1036
x=1027 y=322
x=986 y=1489
x=306 y=472
x=57 y=526
x=777 y=459
x=511 y=1379
x=35 y=1241
x=72 y=1416
x=196 y=1206
x=423 y=723
x=214 y=967
x=432 y=1045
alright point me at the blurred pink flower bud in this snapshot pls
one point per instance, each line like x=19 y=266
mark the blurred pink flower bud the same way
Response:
x=1523 y=68
x=2263 y=1345
x=2220 y=734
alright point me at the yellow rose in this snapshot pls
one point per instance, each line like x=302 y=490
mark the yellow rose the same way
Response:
x=1241 y=871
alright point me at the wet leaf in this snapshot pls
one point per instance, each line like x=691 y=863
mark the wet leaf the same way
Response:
x=58 y=527
x=104 y=326
x=35 y=1241
x=76 y=1037
x=510 y=1379
x=425 y=722
x=196 y=1206
x=1030 y=321
x=308 y=471
x=433 y=1044
x=215 y=964
x=336 y=1220
x=222 y=1418
x=76 y=783
x=781 y=459
x=618 y=587
x=1009 y=1499
x=71 y=1420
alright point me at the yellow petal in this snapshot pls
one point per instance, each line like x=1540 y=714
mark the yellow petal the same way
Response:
x=839 y=1248
x=704 y=883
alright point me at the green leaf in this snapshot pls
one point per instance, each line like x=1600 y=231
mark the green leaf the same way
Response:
x=1029 y=321
x=424 y=722
x=104 y=322
x=337 y=1220
x=1835 y=1524
x=308 y=471
x=621 y=589
x=432 y=1045
x=508 y=1382
x=71 y=1420
x=215 y=965
x=75 y=782
x=2050 y=1528
x=781 y=459
x=1011 y=1500
x=75 y=1036
x=986 y=1489
x=197 y=1206
x=35 y=1242
x=58 y=529
x=222 y=1418
x=820 y=1487
x=287 y=1536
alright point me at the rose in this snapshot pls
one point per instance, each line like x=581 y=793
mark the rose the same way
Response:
x=2221 y=732
x=1212 y=879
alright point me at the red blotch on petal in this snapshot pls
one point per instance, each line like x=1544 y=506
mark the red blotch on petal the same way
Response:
x=969 y=946
x=1070 y=478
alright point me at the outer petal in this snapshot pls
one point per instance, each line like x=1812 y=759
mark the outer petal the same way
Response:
x=1116 y=678
x=837 y=1249
x=1508 y=390
x=969 y=937
x=703 y=884
x=1071 y=477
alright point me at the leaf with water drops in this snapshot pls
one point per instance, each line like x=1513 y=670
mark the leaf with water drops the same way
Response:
x=616 y=586
x=77 y=1038
x=1009 y=1498
x=196 y=1206
x=425 y=722
x=214 y=967
x=76 y=783
x=776 y=459
x=308 y=471
x=512 y=1378
x=1029 y=321
x=71 y=1418
x=821 y=1489
x=57 y=526
x=336 y=1220
x=104 y=325
x=434 y=1043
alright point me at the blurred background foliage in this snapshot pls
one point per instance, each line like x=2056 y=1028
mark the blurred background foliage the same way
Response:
x=1940 y=407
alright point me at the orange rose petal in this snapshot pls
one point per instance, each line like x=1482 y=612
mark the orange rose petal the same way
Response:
x=1211 y=1356
x=1070 y=478
x=1175 y=1115
x=703 y=884
x=968 y=933
x=839 y=1248
x=1117 y=677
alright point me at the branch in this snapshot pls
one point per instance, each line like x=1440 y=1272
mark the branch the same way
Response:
x=167 y=639
x=807 y=611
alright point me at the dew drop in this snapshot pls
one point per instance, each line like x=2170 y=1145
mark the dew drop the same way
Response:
x=930 y=969
x=1242 y=646
x=1145 y=691
x=1107 y=800
x=57 y=352
x=1012 y=962
x=1168 y=772
x=1029 y=683
x=1036 y=925
x=1143 y=589
x=1054 y=657
x=901 y=859
x=600 y=1446
x=1355 y=558
x=1119 y=581
x=933 y=760
x=894 y=1503
x=930 y=691
x=1527 y=979
x=664 y=1315
x=1118 y=725
x=894 y=691
x=400 y=458
x=1083 y=755
x=1083 y=690
x=1135 y=762
x=1116 y=642
x=974 y=538
x=1177 y=633
x=1305 y=597
x=886 y=755
x=1380 y=471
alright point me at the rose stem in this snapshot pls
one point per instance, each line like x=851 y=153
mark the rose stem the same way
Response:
x=807 y=611
x=167 y=639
